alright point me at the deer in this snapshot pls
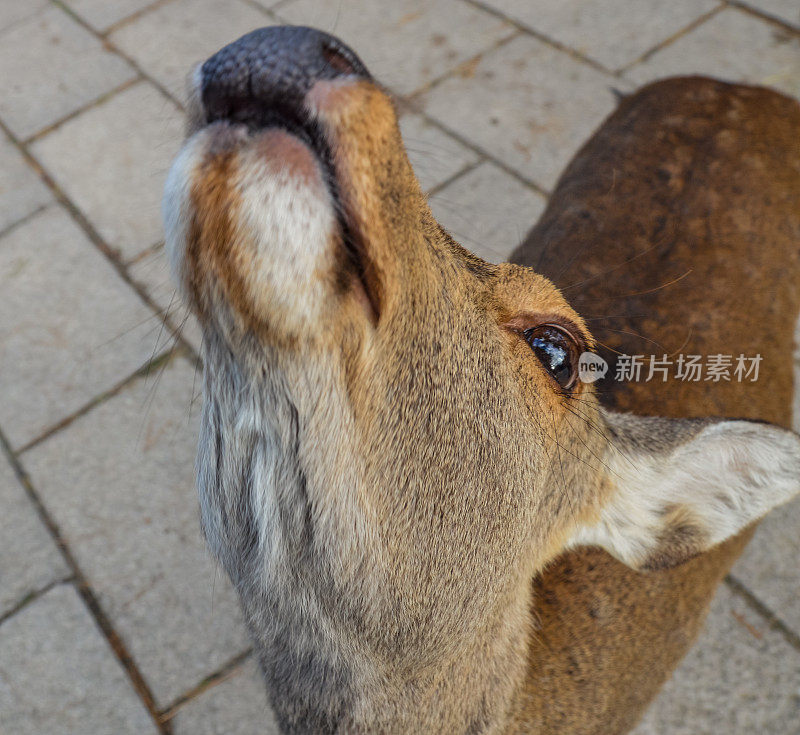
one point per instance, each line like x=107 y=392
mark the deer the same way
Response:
x=433 y=524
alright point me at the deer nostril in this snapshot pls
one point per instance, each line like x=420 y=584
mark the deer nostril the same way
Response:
x=271 y=68
x=336 y=59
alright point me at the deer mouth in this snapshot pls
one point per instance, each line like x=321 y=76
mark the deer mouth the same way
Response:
x=259 y=206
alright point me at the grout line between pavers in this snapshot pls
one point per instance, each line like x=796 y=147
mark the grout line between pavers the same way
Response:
x=89 y=230
x=102 y=99
x=538 y=35
x=109 y=45
x=34 y=595
x=134 y=16
x=669 y=40
x=763 y=15
x=401 y=99
x=774 y=622
x=266 y=11
x=463 y=171
x=21 y=21
x=103 y=622
x=403 y=108
x=156 y=247
x=415 y=107
x=24 y=220
x=225 y=672
x=276 y=6
x=472 y=61
x=180 y=345
x=158 y=362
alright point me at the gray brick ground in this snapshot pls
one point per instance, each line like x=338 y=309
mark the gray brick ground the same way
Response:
x=613 y=33
x=52 y=67
x=112 y=161
x=405 y=43
x=14 y=12
x=59 y=676
x=120 y=485
x=29 y=559
x=785 y=10
x=513 y=104
x=740 y=678
x=21 y=190
x=101 y=14
x=769 y=565
x=69 y=328
x=168 y=41
x=236 y=706
x=488 y=211
x=734 y=46
x=152 y=272
x=435 y=156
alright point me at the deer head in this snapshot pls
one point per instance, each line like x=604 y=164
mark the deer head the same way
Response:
x=395 y=438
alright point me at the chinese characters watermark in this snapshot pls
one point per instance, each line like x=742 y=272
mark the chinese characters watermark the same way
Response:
x=686 y=368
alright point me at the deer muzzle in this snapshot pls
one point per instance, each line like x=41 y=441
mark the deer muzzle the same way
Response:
x=274 y=199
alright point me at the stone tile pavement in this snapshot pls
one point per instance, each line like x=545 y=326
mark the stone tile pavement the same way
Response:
x=113 y=619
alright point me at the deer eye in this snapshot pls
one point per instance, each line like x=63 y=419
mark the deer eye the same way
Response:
x=557 y=350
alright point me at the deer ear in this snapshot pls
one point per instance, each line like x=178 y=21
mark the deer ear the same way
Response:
x=680 y=486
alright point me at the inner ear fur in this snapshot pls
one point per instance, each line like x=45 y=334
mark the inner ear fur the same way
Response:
x=677 y=487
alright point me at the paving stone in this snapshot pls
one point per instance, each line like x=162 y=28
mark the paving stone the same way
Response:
x=14 y=11
x=29 y=559
x=734 y=46
x=434 y=155
x=236 y=706
x=59 y=676
x=769 y=567
x=526 y=103
x=741 y=677
x=21 y=189
x=613 y=33
x=111 y=161
x=101 y=14
x=153 y=273
x=168 y=41
x=406 y=44
x=488 y=211
x=70 y=328
x=785 y=10
x=119 y=481
x=796 y=401
x=53 y=66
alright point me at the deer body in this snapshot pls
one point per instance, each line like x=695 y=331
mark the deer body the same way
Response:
x=396 y=455
x=689 y=176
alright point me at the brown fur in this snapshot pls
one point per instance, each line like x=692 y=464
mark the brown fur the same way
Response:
x=688 y=176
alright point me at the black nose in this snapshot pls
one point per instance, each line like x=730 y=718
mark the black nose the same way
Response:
x=269 y=72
